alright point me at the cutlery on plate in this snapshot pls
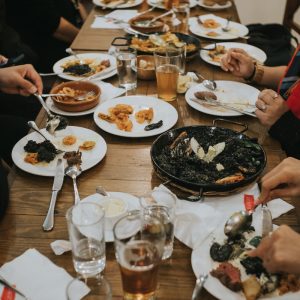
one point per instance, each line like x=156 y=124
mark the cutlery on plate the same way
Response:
x=57 y=185
x=97 y=75
x=78 y=98
x=209 y=84
x=217 y=103
x=158 y=17
x=226 y=28
x=73 y=171
x=198 y=286
x=50 y=74
x=10 y=286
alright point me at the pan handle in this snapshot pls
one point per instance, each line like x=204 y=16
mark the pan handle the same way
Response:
x=115 y=43
x=215 y=121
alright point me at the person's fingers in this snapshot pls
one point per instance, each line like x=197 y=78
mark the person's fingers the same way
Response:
x=266 y=97
x=25 y=86
x=262 y=248
x=260 y=105
x=284 y=192
x=35 y=78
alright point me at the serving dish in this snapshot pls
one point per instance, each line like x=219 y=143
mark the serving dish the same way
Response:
x=140 y=24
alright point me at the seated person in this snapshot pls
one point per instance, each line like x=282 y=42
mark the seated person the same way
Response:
x=280 y=251
x=22 y=80
x=278 y=110
x=48 y=26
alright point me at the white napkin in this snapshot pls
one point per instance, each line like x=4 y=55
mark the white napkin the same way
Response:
x=108 y=91
x=38 y=278
x=120 y=14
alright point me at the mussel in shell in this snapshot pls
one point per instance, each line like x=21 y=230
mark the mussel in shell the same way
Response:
x=219 y=252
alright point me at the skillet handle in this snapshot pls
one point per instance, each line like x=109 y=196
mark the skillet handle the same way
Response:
x=115 y=43
x=215 y=121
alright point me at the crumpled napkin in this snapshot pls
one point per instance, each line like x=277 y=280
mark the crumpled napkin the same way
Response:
x=186 y=81
x=119 y=14
x=38 y=278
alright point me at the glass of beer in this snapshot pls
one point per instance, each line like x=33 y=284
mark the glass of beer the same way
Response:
x=167 y=69
x=162 y=204
x=139 y=244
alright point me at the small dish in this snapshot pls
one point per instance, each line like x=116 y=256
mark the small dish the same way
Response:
x=72 y=105
x=145 y=67
x=140 y=24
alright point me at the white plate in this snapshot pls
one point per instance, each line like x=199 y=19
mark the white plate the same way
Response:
x=236 y=29
x=214 y=7
x=159 y=3
x=229 y=92
x=125 y=5
x=203 y=264
x=132 y=202
x=89 y=158
x=97 y=56
x=253 y=51
x=162 y=111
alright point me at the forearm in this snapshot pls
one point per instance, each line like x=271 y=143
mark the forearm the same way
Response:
x=66 y=31
x=272 y=76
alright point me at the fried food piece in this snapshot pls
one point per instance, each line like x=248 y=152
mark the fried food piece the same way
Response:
x=73 y=158
x=121 y=108
x=144 y=115
x=212 y=33
x=289 y=283
x=87 y=145
x=217 y=53
x=251 y=288
x=105 y=63
x=210 y=23
x=231 y=179
x=203 y=95
x=31 y=158
x=69 y=140
x=107 y=118
x=124 y=124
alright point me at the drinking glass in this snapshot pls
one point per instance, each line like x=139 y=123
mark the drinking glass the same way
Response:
x=139 y=243
x=86 y=233
x=162 y=205
x=127 y=68
x=182 y=12
x=167 y=69
x=94 y=288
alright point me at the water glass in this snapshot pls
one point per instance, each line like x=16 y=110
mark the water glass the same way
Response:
x=94 y=288
x=167 y=69
x=139 y=244
x=181 y=22
x=127 y=68
x=86 y=233
x=162 y=204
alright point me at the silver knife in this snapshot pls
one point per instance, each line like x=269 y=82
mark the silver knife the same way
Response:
x=198 y=286
x=57 y=184
x=267 y=224
x=7 y=284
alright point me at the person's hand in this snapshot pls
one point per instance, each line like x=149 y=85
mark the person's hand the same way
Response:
x=238 y=62
x=3 y=60
x=23 y=80
x=271 y=107
x=280 y=251
x=282 y=181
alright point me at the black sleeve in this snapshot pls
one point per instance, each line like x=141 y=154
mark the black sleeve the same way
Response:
x=3 y=191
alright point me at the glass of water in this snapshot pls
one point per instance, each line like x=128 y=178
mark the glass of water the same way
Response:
x=127 y=68
x=161 y=204
x=86 y=233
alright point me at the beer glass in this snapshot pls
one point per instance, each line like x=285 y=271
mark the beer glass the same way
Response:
x=162 y=204
x=139 y=244
x=86 y=233
x=182 y=12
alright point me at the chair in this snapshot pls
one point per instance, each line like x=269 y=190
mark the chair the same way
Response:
x=288 y=19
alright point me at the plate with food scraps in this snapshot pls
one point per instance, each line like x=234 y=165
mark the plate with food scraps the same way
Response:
x=161 y=4
x=210 y=26
x=116 y=205
x=135 y=116
x=92 y=146
x=117 y=3
x=229 y=261
x=84 y=65
x=214 y=56
x=214 y=5
x=236 y=94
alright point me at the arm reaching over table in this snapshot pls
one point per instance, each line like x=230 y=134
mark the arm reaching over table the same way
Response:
x=23 y=80
x=280 y=251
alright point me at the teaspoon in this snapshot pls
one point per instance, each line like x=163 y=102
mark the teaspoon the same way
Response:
x=210 y=84
x=73 y=172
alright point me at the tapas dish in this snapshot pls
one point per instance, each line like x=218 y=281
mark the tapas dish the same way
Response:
x=113 y=4
x=214 y=5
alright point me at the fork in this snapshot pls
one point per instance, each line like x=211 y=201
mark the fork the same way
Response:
x=78 y=98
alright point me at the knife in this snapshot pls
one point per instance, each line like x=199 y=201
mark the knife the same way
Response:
x=57 y=184
x=10 y=286
x=198 y=286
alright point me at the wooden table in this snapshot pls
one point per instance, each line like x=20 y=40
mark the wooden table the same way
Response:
x=126 y=168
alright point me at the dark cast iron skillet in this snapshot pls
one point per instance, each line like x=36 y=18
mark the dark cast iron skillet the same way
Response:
x=168 y=137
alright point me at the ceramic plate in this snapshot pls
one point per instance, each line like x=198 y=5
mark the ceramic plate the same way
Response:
x=256 y=53
x=162 y=111
x=109 y=72
x=215 y=6
x=236 y=31
x=130 y=3
x=132 y=202
x=89 y=158
x=239 y=95
x=160 y=4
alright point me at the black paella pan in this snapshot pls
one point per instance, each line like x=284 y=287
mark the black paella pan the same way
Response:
x=243 y=159
x=188 y=39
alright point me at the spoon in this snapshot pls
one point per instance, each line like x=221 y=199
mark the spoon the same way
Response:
x=32 y=125
x=198 y=286
x=227 y=28
x=238 y=223
x=101 y=190
x=54 y=122
x=209 y=84
x=73 y=172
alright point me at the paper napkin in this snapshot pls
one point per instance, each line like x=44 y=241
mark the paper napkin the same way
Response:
x=38 y=278
x=108 y=91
